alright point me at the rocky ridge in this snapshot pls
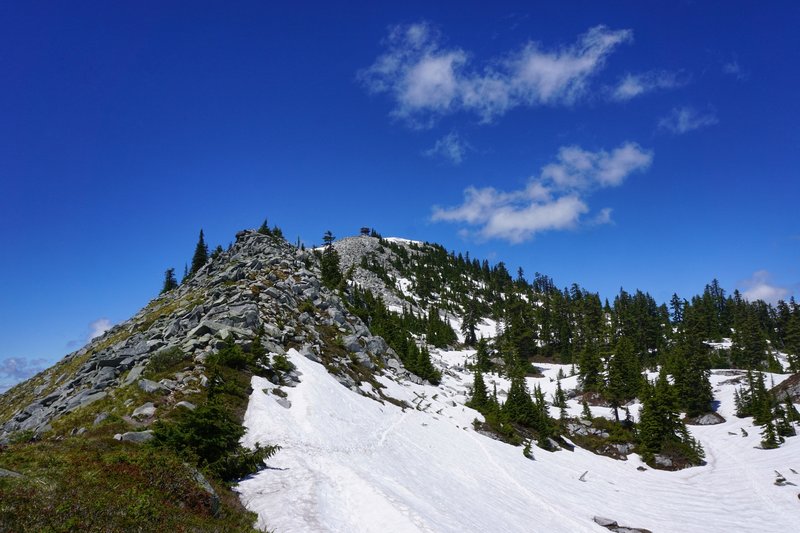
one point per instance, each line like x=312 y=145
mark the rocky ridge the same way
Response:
x=261 y=290
x=353 y=250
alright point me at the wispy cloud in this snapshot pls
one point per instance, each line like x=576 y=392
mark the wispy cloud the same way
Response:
x=450 y=147
x=16 y=369
x=427 y=79
x=685 y=119
x=733 y=68
x=633 y=85
x=95 y=329
x=98 y=327
x=759 y=287
x=553 y=200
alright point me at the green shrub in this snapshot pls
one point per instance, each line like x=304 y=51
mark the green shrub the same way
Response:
x=164 y=360
x=231 y=356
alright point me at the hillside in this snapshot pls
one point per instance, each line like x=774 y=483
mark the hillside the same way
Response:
x=415 y=389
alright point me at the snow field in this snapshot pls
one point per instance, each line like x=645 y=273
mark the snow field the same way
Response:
x=351 y=464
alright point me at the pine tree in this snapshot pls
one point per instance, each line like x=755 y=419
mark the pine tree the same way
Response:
x=660 y=427
x=331 y=273
x=591 y=368
x=559 y=398
x=169 y=281
x=624 y=375
x=586 y=414
x=480 y=396
x=769 y=435
x=482 y=361
x=200 y=257
x=469 y=323
x=792 y=341
x=519 y=406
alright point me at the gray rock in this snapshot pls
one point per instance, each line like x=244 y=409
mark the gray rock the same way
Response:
x=168 y=383
x=364 y=360
x=206 y=486
x=100 y=418
x=351 y=343
x=206 y=326
x=151 y=386
x=9 y=473
x=708 y=419
x=308 y=353
x=84 y=398
x=144 y=411
x=393 y=364
x=605 y=522
x=103 y=377
x=663 y=461
x=377 y=345
x=133 y=375
x=283 y=402
x=187 y=405
x=135 y=436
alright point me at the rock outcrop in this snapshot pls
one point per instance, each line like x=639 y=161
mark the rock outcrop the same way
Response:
x=261 y=290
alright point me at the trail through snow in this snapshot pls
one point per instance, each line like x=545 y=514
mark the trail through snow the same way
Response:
x=351 y=464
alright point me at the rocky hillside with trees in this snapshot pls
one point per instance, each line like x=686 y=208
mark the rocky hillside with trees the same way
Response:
x=173 y=382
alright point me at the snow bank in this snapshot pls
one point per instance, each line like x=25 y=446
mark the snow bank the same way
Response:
x=351 y=464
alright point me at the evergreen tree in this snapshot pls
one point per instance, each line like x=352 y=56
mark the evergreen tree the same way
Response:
x=482 y=360
x=792 y=341
x=200 y=257
x=586 y=414
x=469 y=322
x=519 y=407
x=689 y=367
x=660 y=429
x=331 y=273
x=591 y=368
x=559 y=398
x=624 y=375
x=480 y=396
x=169 y=281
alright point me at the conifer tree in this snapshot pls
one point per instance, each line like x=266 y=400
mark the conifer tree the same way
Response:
x=792 y=341
x=586 y=414
x=591 y=368
x=519 y=406
x=331 y=274
x=480 y=396
x=624 y=375
x=200 y=257
x=559 y=398
x=482 y=361
x=169 y=281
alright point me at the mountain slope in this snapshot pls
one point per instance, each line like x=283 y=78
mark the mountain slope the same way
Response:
x=255 y=337
x=351 y=464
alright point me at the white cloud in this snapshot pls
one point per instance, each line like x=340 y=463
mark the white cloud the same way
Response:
x=451 y=147
x=633 y=85
x=98 y=327
x=733 y=68
x=553 y=200
x=603 y=217
x=426 y=79
x=685 y=119
x=16 y=369
x=758 y=287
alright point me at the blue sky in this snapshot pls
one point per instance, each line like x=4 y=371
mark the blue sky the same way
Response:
x=605 y=143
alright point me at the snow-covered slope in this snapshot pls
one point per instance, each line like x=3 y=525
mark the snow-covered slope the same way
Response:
x=350 y=464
